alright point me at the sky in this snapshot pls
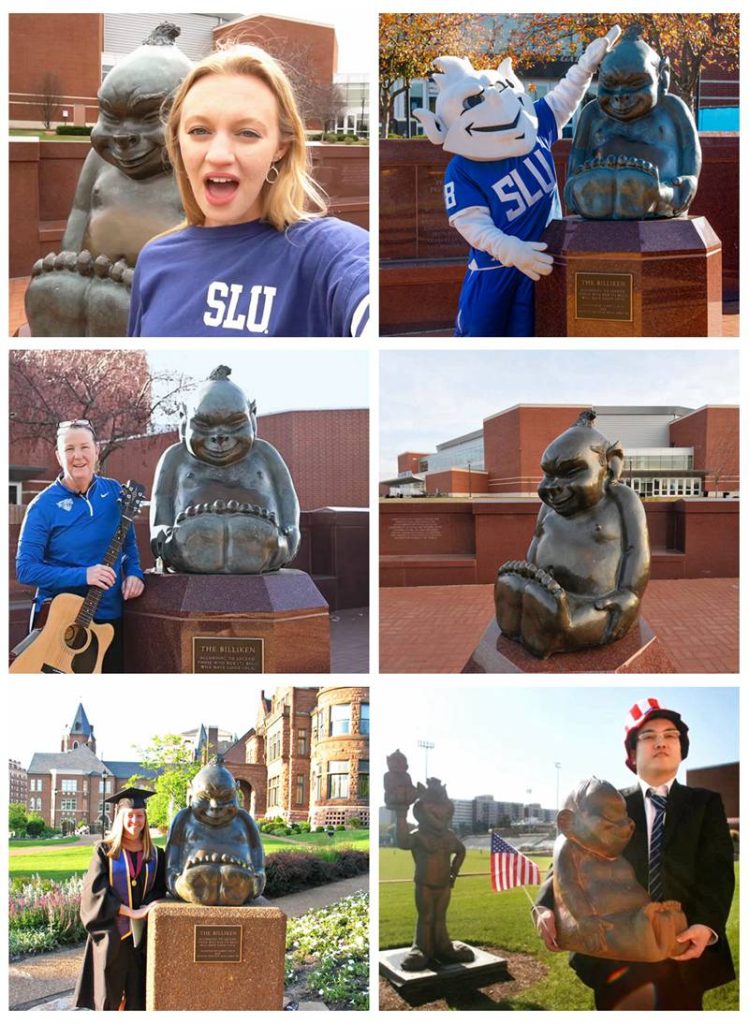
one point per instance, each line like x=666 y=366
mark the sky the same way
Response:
x=280 y=379
x=505 y=740
x=128 y=720
x=430 y=397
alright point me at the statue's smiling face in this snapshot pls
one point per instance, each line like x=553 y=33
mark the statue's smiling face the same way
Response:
x=628 y=82
x=215 y=803
x=487 y=114
x=221 y=429
x=574 y=474
x=129 y=132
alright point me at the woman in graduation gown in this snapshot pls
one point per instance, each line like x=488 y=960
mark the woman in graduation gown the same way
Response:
x=124 y=879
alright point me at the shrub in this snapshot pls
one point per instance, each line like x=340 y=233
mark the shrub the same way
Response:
x=320 y=828
x=35 y=827
x=340 y=828
x=290 y=871
x=44 y=914
x=73 y=129
x=354 y=823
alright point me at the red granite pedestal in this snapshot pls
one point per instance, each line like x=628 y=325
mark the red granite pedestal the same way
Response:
x=631 y=278
x=218 y=624
x=639 y=651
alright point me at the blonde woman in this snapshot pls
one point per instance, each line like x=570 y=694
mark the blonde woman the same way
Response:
x=124 y=879
x=256 y=256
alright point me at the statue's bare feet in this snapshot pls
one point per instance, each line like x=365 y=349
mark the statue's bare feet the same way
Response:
x=508 y=597
x=414 y=960
x=545 y=616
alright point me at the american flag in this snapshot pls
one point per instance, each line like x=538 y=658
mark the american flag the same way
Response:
x=509 y=867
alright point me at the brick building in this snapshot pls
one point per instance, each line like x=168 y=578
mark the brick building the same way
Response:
x=307 y=758
x=670 y=451
x=68 y=787
x=18 y=782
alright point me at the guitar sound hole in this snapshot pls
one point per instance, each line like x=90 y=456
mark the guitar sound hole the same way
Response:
x=76 y=637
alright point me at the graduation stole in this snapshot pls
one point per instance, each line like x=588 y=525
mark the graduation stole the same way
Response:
x=121 y=883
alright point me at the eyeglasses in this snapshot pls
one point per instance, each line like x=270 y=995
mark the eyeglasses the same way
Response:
x=671 y=735
x=64 y=425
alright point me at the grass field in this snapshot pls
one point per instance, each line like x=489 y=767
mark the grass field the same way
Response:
x=503 y=920
x=14 y=844
x=60 y=862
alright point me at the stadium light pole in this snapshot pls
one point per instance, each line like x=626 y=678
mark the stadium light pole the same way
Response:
x=426 y=746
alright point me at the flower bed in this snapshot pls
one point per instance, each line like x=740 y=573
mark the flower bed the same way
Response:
x=43 y=915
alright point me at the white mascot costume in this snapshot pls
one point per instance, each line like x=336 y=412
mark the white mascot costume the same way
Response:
x=501 y=187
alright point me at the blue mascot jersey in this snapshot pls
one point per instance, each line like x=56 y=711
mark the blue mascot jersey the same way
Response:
x=251 y=281
x=520 y=191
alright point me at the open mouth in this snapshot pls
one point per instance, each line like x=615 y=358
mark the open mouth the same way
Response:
x=220 y=188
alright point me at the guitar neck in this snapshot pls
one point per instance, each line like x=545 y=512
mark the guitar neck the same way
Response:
x=94 y=594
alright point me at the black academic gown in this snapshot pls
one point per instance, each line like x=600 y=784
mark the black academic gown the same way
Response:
x=698 y=871
x=113 y=966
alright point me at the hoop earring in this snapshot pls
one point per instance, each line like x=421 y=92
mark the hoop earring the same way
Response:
x=276 y=176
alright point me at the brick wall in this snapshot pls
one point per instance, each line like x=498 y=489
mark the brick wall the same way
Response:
x=713 y=432
x=514 y=441
x=352 y=747
x=286 y=39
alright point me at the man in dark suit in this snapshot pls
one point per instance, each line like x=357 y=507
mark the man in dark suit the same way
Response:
x=692 y=863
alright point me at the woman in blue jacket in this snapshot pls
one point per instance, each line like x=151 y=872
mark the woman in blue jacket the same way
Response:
x=66 y=533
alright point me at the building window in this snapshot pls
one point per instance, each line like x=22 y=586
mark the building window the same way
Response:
x=317 y=783
x=70 y=785
x=299 y=799
x=340 y=720
x=274 y=746
x=15 y=493
x=274 y=789
x=68 y=805
x=363 y=780
x=301 y=742
x=364 y=720
x=35 y=785
x=338 y=781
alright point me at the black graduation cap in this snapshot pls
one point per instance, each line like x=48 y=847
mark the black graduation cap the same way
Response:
x=132 y=797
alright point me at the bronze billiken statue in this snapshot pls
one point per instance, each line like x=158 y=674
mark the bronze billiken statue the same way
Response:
x=636 y=153
x=223 y=499
x=214 y=855
x=588 y=563
x=126 y=194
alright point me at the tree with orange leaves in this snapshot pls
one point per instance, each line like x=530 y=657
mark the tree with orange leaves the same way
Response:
x=690 y=41
x=409 y=43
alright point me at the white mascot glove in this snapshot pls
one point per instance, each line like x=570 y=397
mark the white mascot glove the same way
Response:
x=566 y=94
x=476 y=226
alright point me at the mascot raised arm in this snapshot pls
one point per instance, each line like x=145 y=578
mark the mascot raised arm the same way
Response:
x=501 y=187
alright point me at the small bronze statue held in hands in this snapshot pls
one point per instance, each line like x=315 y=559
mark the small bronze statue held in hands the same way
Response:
x=589 y=561
x=636 y=153
x=438 y=856
x=600 y=907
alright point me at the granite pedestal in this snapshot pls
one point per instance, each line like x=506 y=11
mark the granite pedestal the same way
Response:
x=631 y=278
x=639 y=651
x=435 y=980
x=217 y=624
x=215 y=958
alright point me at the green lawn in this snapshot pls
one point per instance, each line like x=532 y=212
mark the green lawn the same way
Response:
x=503 y=920
x=61 y=841
x=60 y=862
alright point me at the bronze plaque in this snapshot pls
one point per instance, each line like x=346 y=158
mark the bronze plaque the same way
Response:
x=218 y=943
x=227 y=654
x=603 y=296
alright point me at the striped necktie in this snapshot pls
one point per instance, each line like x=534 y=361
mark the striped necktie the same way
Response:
x=655 y=859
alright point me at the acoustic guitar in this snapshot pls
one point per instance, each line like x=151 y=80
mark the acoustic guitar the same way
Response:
x=70 y=642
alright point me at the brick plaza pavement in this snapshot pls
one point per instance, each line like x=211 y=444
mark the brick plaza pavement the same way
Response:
x=435 y=629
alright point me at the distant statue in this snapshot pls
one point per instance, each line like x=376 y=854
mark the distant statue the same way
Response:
x=223 y=500
x=600 y=907
x=438 y=855
x=636 y=153
x=126 y=195
x=214 y=855
x=589 y=561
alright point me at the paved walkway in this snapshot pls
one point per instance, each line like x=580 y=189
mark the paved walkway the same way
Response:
x=435 y=629
x=349 y=640
x=47 y=981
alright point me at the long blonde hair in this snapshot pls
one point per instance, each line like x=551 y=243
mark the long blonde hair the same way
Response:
x=294 y=195
x=113 y=838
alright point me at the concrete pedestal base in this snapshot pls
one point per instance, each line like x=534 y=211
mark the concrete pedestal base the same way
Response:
x=639 y=651
x=228 y=624
x=183 y=937
x=631 y=278
x=485 y=969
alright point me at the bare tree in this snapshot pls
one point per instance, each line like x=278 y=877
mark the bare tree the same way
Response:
x=116 y=390
x=50 y=92
x=325 y=103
